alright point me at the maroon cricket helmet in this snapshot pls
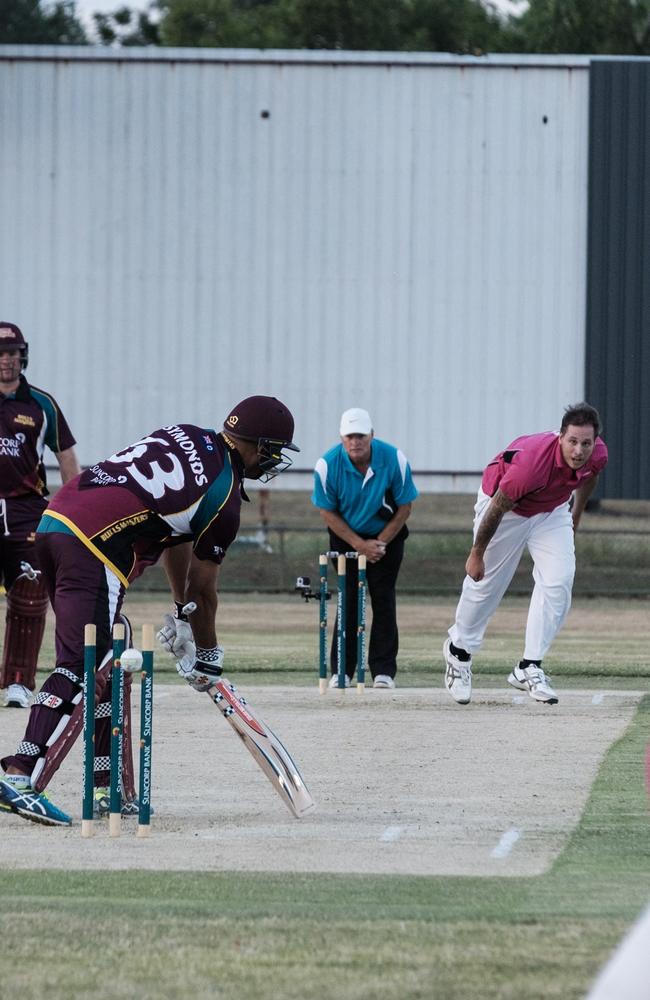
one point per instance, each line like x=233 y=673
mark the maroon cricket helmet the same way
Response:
x=262 y=417
x=269 y=423
x=11 y=338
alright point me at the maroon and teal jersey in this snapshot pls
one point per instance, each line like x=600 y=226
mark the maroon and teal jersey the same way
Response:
x=180 y=483
x=30 y=419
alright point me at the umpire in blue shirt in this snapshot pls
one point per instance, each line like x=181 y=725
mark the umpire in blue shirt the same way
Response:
x=364 y=490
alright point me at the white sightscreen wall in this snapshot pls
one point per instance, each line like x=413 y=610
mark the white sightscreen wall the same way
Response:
x=180 y=230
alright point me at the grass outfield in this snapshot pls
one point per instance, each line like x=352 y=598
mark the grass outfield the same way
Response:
x=273 y=639
x=229 y=935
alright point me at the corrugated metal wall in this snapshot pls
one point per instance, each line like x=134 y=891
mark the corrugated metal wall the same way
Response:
x=618 y=303
x=402 y=233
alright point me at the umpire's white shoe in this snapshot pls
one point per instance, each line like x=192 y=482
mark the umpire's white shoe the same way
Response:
x=533 y=680
x=18 y=696
x=383 y=681
x=334 y=681
x=458 y=676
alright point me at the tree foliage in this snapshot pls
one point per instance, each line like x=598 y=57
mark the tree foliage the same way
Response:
x=34 y=22
x=344 y=24
x=224 y=23
x=617 y=27
x=598 y=27
x=375 y=25
x=460 y=26
x=124 y=26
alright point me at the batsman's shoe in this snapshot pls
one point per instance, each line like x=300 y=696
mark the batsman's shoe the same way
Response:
x=102 y=804
x=334 y=681
x=458 y=676
x=18 y=696
x=533 y=680
x=31 y=805
x=383 y=681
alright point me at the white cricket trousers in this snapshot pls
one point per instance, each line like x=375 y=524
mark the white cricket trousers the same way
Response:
x=549 y=538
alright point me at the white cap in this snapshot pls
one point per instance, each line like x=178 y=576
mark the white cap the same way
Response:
x=355 y=421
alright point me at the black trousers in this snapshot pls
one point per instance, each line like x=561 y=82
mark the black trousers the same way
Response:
x=381 y=578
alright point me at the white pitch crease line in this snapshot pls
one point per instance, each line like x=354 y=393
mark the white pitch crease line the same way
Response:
x=507 y=842
x=391 y=833
x=597 y=699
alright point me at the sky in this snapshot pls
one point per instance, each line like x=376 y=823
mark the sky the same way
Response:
x=86 y=8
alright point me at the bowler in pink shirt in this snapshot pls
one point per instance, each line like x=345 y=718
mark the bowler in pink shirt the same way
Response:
x=524 y=502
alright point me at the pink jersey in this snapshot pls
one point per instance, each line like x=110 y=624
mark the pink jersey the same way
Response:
x=532 y=472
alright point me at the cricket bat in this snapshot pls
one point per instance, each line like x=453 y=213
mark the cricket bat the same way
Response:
x=274 y=759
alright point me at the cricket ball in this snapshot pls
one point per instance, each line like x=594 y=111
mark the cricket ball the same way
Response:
x=131 y=660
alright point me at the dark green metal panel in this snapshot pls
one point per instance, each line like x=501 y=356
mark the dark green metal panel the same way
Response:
x=618 y=270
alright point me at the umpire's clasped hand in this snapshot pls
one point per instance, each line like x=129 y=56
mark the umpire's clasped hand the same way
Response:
x=373 y=549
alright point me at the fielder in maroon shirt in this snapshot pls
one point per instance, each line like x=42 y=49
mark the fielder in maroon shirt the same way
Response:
x=177 y=492
x=524 y=502
x=30 y=421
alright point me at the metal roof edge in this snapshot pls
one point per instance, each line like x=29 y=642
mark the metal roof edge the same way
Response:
x=160 y=54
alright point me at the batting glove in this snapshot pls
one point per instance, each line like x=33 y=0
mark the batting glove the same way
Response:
x=176 y=634
x=202 y=670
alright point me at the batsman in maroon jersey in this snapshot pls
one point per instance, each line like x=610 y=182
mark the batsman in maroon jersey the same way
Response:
x=177 y=492
x=30 y=420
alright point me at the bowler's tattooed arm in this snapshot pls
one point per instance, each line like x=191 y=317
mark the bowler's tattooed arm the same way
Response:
x=499 y=505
